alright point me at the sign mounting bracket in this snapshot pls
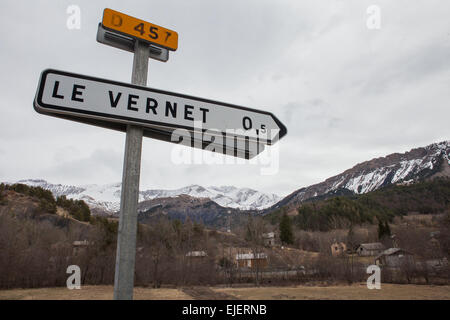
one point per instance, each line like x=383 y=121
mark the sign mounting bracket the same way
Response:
x=121 y=41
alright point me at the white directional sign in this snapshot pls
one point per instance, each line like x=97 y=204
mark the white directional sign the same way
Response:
x=87 y=97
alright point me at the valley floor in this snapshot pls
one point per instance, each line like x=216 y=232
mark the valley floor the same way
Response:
x=353 y=292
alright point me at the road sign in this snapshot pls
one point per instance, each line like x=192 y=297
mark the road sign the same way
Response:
x=140 y=29
x=92 y=98
x=142 y=111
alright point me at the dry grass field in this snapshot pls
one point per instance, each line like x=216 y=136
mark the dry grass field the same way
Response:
x=90 y=293
x=353 y=292
x=342 y=292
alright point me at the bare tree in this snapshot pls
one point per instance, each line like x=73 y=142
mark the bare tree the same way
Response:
x=254 y=237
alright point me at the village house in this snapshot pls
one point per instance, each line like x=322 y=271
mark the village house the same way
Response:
x=196 y=254
x=269 y=239
x=196 y=257
x=338 y=248
x=79 y=246
x=250 y=260
x=370 y=249
x=394 y=258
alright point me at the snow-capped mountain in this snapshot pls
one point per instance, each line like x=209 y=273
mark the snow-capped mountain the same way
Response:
x=425 y=162
x=432 y=160
x=107 y=197
x=226 y=196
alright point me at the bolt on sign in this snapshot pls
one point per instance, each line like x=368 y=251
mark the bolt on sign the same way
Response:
x=140 y=29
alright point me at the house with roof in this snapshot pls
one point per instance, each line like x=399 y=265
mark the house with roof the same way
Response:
x=250 y=260
x=394 y=258
x=196 y=254
x=370 y=249
x=80 y=246
x=269 y=239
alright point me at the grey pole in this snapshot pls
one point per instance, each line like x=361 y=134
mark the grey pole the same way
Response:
x=126 y=240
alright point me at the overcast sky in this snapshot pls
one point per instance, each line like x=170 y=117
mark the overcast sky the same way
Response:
x=346 y=93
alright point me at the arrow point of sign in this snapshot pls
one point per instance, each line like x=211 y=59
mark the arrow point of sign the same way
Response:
x=281 y=133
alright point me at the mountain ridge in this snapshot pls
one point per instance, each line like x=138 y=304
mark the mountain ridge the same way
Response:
x=407 y=167
x=396 y=168
x=106 y=198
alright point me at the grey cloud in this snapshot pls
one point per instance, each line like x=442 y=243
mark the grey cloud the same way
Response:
x=310 y=117
x=417 y=65
x=101 y=164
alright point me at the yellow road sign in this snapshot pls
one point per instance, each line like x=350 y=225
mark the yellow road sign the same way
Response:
x=140 y=29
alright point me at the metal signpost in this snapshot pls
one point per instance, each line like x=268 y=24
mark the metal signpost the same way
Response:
x=126 y=241
x=141 y=111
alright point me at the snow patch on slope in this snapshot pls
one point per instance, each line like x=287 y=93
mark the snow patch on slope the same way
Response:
x=369 y=181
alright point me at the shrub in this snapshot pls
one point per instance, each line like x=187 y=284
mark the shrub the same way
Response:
x=76 y=208
x=2 y=195
x=286 y=234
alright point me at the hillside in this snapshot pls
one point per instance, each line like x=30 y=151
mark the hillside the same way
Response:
x=24 y=204
x=220 y=207
x=26 y=207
